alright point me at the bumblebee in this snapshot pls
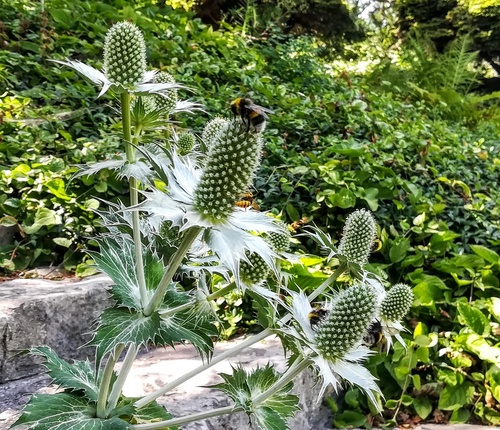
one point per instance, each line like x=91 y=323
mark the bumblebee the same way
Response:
x=374 y=335
x=252 y=115
x=317 y=315
x=247 y=201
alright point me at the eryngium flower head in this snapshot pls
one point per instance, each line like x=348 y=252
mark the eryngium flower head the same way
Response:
x=168 y=98
x=255 y=270
x=212 y=130
x=314 y=340
x=396 y=303
x=280 y=241
x=358 y=237
x=185 y=143
x=346 y=323
x=124 y=54
x=228 y=172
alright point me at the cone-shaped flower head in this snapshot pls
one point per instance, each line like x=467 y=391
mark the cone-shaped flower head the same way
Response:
x=124 y=54
x=334 y=344
x=212 y=130
x=185 y=143
x=168 y=98
x=147 y=102
x=347 y=321
x=228 y=172
x=255 y=271
x=358 y=236
x=280 y=241
x=396 y=303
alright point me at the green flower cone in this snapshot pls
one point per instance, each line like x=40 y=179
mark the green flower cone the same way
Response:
x=396 y=303
x=358 y=237
x=230 y=166
x=347 y=321
x=254 y=272
x=124 y=54
x=168 y=99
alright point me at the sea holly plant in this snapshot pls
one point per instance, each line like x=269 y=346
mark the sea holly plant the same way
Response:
x=179 y=231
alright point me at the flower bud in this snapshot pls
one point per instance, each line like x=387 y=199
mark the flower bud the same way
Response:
x=185 y=143
x=279 y=241
x=358 y=237
x=346 y=323
x=396 y=303
x=124 y=54
x=168 y=98
x=212 y=130
x=254 y=272
x=229 y=169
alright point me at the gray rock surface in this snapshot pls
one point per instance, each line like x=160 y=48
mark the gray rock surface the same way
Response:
x=40 y=312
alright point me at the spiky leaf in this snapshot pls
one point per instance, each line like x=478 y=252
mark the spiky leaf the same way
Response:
x=270 y=413
x=117 y=259
x=150 y=413
x=162 y=327
x=77 y=376
x=65 y=411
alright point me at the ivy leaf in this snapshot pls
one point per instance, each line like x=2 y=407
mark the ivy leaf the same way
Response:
x=350 y=419
x=423 y=407
x=489 y=255
x=43 y=217
x=123 y=326
x=65 y=411
x=79 y=375
x=269 y=414
x=453 y=397
x=474 y=319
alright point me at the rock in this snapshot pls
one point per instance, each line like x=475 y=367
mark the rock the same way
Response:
x=37 y=312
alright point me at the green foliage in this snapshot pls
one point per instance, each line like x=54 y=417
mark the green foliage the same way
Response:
x=409 y=143
x=444 y=20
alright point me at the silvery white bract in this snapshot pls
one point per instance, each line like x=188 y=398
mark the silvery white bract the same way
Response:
x=229 y=239
x=331 y=372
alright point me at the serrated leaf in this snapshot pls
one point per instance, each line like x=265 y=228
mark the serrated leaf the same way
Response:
x=152 y=412
x=79 y=375
x=117 y=259
x=64 y=411
x=123 y=326
x=270 y=413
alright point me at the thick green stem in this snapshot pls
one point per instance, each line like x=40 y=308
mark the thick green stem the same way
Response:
x=221 y=292
x=297 y=367
x=106 y=380
x=122 y=377
x=134 y=196
x=187 y=419
x=173 y=265
x=233 y=351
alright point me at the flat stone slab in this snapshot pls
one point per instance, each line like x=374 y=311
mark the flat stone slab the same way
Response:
x=37 y=312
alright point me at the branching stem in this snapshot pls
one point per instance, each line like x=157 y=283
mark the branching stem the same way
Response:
x=122 y=377
x=233 y=351
x=106 y=380
x=173 y=265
